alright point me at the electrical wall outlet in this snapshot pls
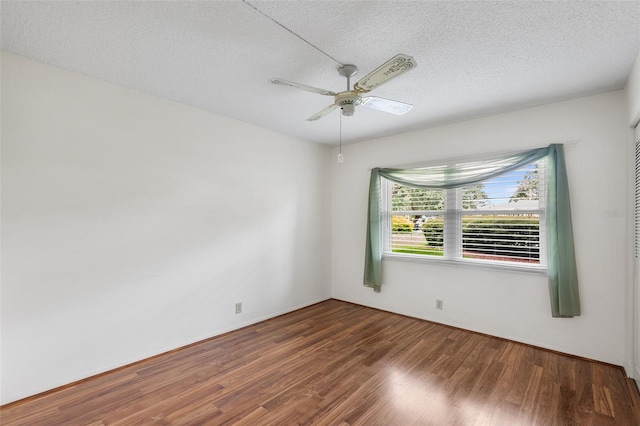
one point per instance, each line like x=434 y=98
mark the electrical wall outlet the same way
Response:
x=238 y=308
x=438 y=304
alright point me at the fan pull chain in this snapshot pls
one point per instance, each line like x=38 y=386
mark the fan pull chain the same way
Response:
x=340 y=156
x=310 y=44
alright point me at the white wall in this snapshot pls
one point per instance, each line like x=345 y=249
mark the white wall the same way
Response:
x=132 y=225
x=507 y=304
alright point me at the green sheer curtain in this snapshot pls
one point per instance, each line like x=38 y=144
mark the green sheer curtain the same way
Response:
x=561 y=264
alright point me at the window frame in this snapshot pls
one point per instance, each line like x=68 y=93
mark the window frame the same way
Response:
x=452 y=233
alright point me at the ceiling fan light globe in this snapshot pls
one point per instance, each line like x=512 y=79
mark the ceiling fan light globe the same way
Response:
x=348 y=110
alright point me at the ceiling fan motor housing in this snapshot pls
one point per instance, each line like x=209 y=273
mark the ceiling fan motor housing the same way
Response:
x=348 y=101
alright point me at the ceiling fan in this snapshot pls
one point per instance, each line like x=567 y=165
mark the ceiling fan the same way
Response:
x=350 y=98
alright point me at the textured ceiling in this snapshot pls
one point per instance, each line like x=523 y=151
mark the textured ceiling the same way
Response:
x=474 y=58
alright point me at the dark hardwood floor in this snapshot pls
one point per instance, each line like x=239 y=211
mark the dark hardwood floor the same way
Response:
x=336 y=363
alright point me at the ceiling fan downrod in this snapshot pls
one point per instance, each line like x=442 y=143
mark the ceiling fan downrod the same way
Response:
x=348 y=71
x=348 y=100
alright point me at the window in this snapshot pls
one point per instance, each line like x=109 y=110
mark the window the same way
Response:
x=499 y=220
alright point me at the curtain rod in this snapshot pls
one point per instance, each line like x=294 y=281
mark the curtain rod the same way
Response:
x=473 y=157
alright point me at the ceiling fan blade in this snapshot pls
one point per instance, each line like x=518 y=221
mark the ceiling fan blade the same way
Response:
x=302 y=87
x=319 y=115
x=386 y=105
x=395 y=66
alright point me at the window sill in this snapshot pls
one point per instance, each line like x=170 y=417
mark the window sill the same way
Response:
x=468 y=263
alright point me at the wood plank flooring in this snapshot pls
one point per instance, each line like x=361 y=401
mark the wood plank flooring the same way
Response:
x=336 y=363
